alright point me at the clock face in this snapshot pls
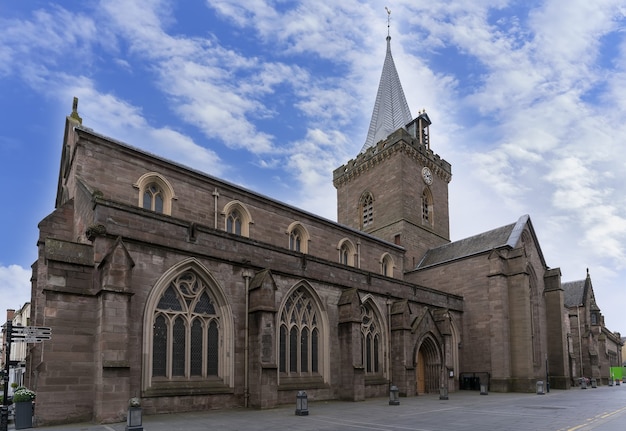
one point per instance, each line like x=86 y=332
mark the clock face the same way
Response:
x=427 y=176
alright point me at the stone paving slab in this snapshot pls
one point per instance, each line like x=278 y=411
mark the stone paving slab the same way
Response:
x=601 y=408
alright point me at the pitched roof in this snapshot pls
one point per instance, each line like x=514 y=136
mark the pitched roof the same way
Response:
x=573 y=293
x=578 y=292
x=503 y=236
x=391 y=111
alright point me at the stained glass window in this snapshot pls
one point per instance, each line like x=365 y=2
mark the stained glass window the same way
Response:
x=186 y=331
x=299 y=335
x=370 y=337
x=196 y=347
x=213 y=349
x=153 y=198
x=233 y=222
x=159 y=347
x=294 y=240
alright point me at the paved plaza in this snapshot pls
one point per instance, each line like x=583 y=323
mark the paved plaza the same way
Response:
x=602 y=408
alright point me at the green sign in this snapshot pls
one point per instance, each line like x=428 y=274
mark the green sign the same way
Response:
x=617 y=373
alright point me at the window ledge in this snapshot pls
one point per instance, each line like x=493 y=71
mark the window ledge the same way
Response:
x=300 y=383
x=159 y=389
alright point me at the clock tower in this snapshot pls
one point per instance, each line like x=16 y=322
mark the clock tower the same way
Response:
x=397 y=187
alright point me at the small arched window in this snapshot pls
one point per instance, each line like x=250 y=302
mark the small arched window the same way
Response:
x=153 y=198
x=298 y=237
x=233 y=222
x=386 y=265
x=155 y=193
x=237 y=219
x=367 y=210
x=295 y=240
x=347 y=252
x=427 y=207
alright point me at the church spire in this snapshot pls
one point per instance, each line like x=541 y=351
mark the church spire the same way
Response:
x=390 y=109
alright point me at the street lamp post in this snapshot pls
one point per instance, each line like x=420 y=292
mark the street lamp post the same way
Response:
x=4 y=413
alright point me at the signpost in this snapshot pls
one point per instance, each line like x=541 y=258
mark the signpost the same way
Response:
x=18 y=334
x=31 y=334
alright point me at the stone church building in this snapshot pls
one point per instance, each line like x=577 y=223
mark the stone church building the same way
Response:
x=168 y=284
x=594 y=349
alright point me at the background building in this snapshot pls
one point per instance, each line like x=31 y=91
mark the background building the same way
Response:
x=19 y=350
x=594 y=348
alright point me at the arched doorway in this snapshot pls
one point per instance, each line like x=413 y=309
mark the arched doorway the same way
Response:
x=428 y=367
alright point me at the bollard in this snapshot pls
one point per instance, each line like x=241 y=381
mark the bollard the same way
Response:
x=443 y=393
x=394 y=399
x=133 y=420
x=540 y=390
x=302 y=404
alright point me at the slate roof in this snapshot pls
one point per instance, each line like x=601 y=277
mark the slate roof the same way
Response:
x=508 y=235
x=573 y=293
x=391 y=112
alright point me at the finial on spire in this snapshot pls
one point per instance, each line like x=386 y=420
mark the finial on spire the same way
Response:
x=74 y=115
x=388 y=19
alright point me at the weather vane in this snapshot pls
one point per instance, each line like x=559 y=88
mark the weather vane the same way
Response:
x=388 y=18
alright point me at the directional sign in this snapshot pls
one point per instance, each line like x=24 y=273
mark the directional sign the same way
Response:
x=31 y=330
x=30 y=334
x=20 y=336
x=30 y=339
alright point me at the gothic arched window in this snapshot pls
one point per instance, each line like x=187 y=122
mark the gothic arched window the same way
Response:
x=427 y=207
x=300 y=336
x=386 y=265
x=233 y=222
x=371 y=341
x=367 y=210
x=155 y=193
x=153 y=198
x=298 y=237
x=238 y=219
x=188 y=334
x=347 y=252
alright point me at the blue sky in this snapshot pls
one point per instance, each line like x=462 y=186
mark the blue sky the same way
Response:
x=527 y=99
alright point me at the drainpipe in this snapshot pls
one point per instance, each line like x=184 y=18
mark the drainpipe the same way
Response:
x=389 y=367
x=215 y=196
x=247 y=275
x=580 y=342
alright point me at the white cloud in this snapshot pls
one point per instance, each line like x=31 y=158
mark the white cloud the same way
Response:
x=14 y=288
x=109 y=115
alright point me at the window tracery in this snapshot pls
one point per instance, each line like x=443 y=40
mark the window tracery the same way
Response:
x=299 y=335
x=186 y=334
x=371 y=341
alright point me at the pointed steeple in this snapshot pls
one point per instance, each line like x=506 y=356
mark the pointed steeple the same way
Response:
x=391 y=111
